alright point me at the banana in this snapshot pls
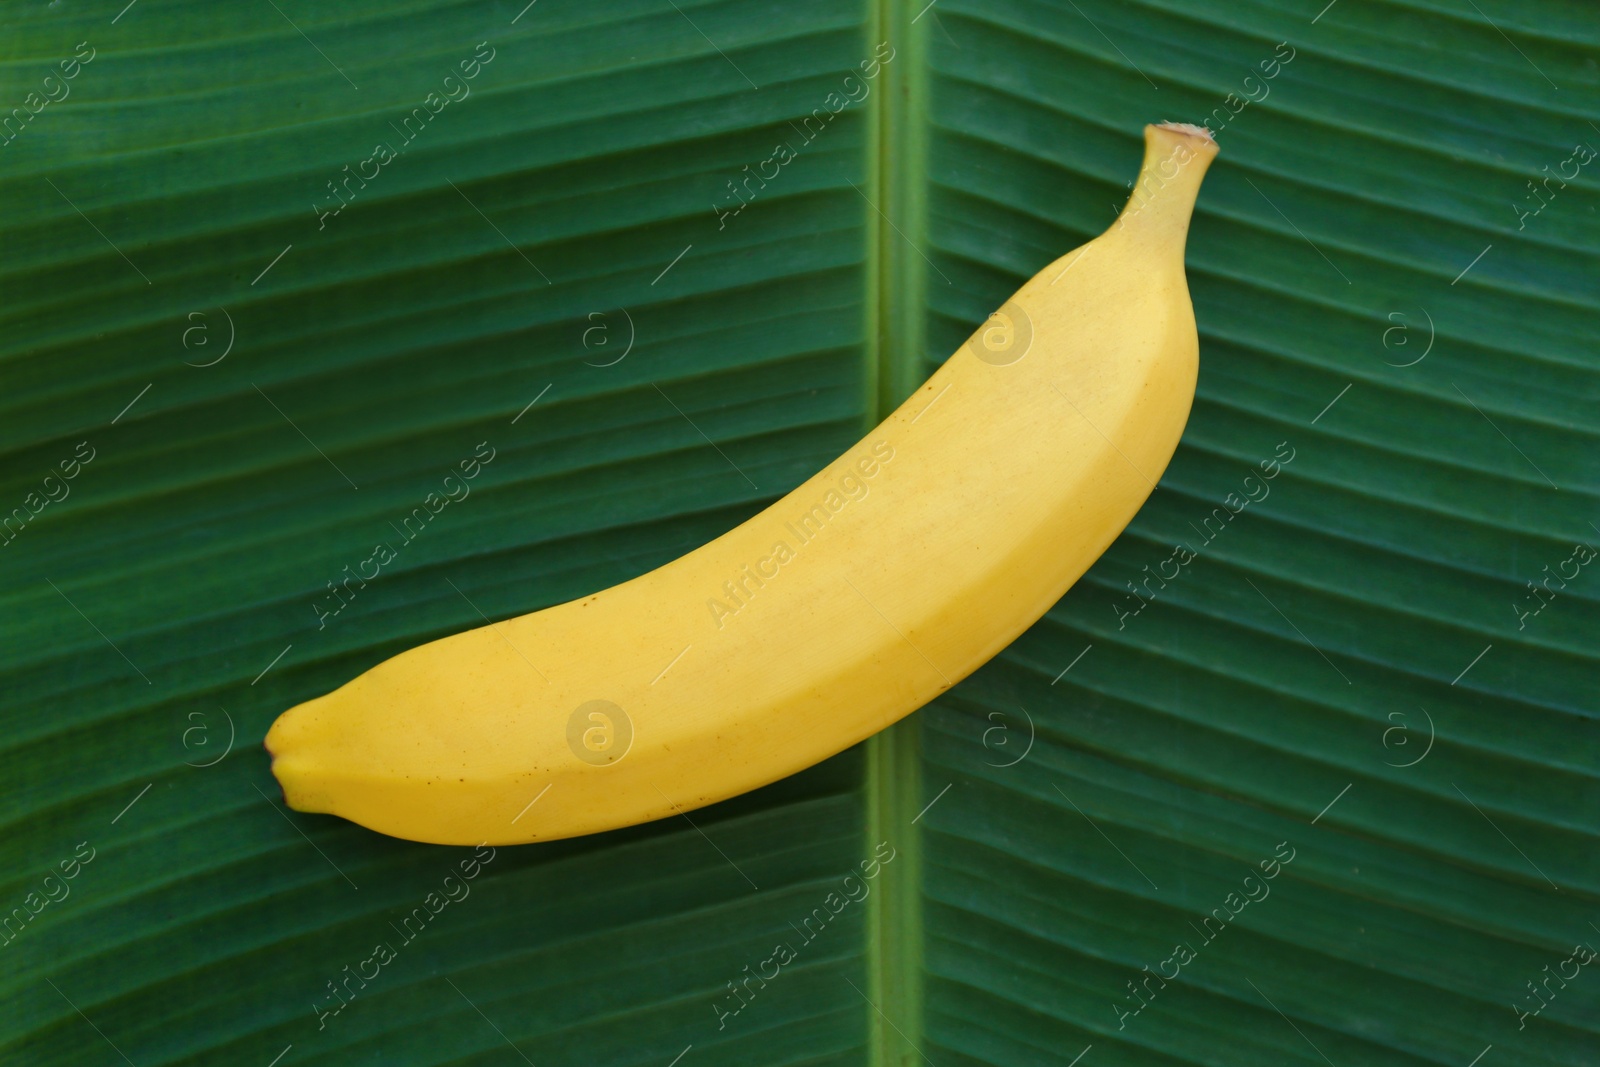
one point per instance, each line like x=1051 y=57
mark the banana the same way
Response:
x=878 y=584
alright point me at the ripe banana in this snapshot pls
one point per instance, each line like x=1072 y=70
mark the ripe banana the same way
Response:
x=878 y=584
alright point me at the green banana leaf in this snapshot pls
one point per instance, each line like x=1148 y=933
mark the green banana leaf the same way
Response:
x=1303 y=772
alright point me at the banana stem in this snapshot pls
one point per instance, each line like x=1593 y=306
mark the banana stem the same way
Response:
x=1176 y=156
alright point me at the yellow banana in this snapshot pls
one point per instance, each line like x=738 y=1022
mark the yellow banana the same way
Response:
x=878 y=584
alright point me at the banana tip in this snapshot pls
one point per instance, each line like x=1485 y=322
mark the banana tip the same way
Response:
x=280 y=743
